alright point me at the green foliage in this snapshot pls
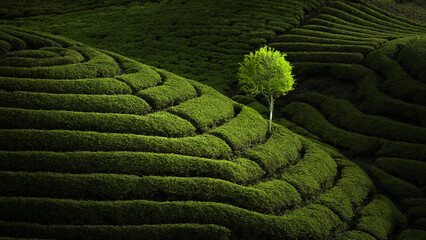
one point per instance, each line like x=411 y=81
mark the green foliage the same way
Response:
x=357 y=235
x=240 y=170
x=128 y=104
x=408 y=170
x=62 y=140
x=157 y=124
x=391 y=185
x=266 y=72
x=154 y=232
x=412 y=234
x=379 y=216
x=243 y=131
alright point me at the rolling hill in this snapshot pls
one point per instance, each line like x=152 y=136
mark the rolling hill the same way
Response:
x=98 y=145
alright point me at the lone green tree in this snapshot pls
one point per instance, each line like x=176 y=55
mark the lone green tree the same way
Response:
x=266 y=72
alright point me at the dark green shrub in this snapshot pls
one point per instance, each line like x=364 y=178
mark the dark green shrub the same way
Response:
x=309 y=39
x=408 y=170
x=320 y=47
x=325 y=57
x=379 y=217
x=391 y=185
x=412 y=234
x=357 y=235
x=152 y=232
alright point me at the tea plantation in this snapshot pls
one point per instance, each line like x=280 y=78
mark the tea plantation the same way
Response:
x=95 y=145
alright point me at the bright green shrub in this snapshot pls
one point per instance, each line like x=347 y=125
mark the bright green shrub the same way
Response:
x=315 y=170
x=154 y=232
x=379 y=217
x=77 y=86
x=62 y=140
x=174 y=91
x=76 y=102
x=67 y=56
x=205 y=112
x=391 y=185
x=240 y=170
x=314 y=47
x=357 y=235
x=412 y=234
x=343 y=57
x=241 y=132
x=158 y=123
x=408 y=170
x=281 y=149
x=97 y=65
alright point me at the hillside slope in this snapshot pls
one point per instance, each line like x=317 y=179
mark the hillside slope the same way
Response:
x=98 y=146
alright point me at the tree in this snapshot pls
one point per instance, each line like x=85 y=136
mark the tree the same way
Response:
x=266 y=72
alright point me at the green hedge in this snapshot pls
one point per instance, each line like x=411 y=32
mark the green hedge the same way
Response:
x=314 y=47
x=76 y=102
x=403 y=150
x=378 y=103
x=412 y=57
x=350 y=191
x=408 y=170
x=328 y=40
x=359 y=23
x=137 y=75
x=241 y=171
x=343 y=114
x=370 y=16
x=97 y=65
x=309 y=118
x=158 y=123
x=77 y=86
x=351 y=27
x=333 y=30
x=243 y=131
x=393 y=186
x=320 y=34
x=62 y=140
x=314 y=171
x=412 y=234
x=15 y=42
x=416 y=212
x=280 y=150
x=268 y=198
x=384 y=15
x=31 y=41
x=357 y=235
x=39 y=53
x=174 y=91
x=380 y=217
x=207 y=111
x=343 y=57
x=311 y=222
x=66 y=56
x=152 y=232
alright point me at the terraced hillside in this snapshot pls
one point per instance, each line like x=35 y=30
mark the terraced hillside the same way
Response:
x=200 y=40
x=375 y=109
x=95 y=145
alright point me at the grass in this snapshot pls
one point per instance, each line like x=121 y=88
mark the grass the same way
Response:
x=98 y=145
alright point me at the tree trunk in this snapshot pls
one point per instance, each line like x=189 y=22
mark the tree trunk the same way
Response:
x=271 y=110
